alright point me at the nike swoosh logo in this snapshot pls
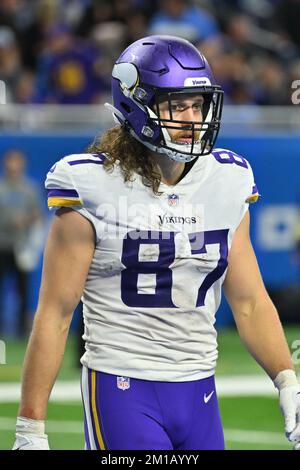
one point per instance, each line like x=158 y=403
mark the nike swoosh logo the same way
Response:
x=206 y=398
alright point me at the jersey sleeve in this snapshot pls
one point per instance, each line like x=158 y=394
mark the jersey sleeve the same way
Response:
x=253 y=193
x=63 y=191
x=253 y=189
x=236 y=175
x=61 y=188
x=241 y=177
x=249 y=191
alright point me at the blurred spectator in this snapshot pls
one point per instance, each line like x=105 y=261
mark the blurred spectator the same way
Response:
x=237 y=83
x=73 y=11
x=110 y=38
x=47 y=14
x=238 y=35
x=258 y=9
x=123 y=9
x=232 y=70
x=10 y=61
x=273 y=87
x=17 y=14
x=287 y=15
x=67 y=71
x=98 y=12
x=137 y=27
x=253 y=40
x=180 y=18
x=24 y=91
x=20 y=209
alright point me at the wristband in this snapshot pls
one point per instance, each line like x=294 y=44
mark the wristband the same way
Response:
x=30 y=426
x=285 y=378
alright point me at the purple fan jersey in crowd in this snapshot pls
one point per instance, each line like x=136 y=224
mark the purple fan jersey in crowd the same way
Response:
x=70 y=76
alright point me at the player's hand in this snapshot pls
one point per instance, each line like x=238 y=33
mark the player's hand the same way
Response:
x=30 y=435
x=289 y=400
x=31 y=442
x=290 y=406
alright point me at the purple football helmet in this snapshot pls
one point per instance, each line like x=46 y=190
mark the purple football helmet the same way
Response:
x=160 y=69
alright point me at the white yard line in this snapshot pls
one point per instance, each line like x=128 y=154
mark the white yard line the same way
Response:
x=245 y=385
x=69 y=391
x=232 y=435
x=66 y=427
x=63 y=391
x=256 y=437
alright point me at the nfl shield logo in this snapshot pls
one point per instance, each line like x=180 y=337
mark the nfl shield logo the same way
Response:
x=173 y=200
x=123 y=383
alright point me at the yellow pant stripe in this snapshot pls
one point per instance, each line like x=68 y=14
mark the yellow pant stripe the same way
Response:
x=94 y=412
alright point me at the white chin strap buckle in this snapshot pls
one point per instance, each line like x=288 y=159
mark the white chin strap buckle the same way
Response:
x=177 y=156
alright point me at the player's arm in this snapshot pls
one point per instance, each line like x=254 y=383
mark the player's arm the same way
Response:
x=68 y=255
x=258 y=322
x=255 y=314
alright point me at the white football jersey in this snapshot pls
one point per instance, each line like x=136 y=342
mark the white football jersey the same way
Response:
x=154 y=284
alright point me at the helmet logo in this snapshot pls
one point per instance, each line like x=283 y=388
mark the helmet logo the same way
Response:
x=127 y=75
x=197 y=81
x=147 y=131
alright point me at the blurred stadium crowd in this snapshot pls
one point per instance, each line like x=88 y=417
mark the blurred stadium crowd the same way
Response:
x=62 y=51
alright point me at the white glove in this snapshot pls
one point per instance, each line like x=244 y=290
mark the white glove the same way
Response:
x=30 y=435
x=289 y=399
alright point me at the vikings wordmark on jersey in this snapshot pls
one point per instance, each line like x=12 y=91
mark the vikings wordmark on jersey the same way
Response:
x=154 y=284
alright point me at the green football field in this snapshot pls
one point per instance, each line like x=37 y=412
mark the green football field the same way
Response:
x=250 y=421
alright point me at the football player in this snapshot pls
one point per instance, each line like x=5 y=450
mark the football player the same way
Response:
x=149 y=225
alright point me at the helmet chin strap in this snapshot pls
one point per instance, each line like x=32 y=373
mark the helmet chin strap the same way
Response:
x=172 y=154
x=117 y=115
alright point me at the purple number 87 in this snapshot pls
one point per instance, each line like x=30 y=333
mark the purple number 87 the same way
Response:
x=160 y=268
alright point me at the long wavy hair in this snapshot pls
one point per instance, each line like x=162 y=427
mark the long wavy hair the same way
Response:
x=123 y=149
